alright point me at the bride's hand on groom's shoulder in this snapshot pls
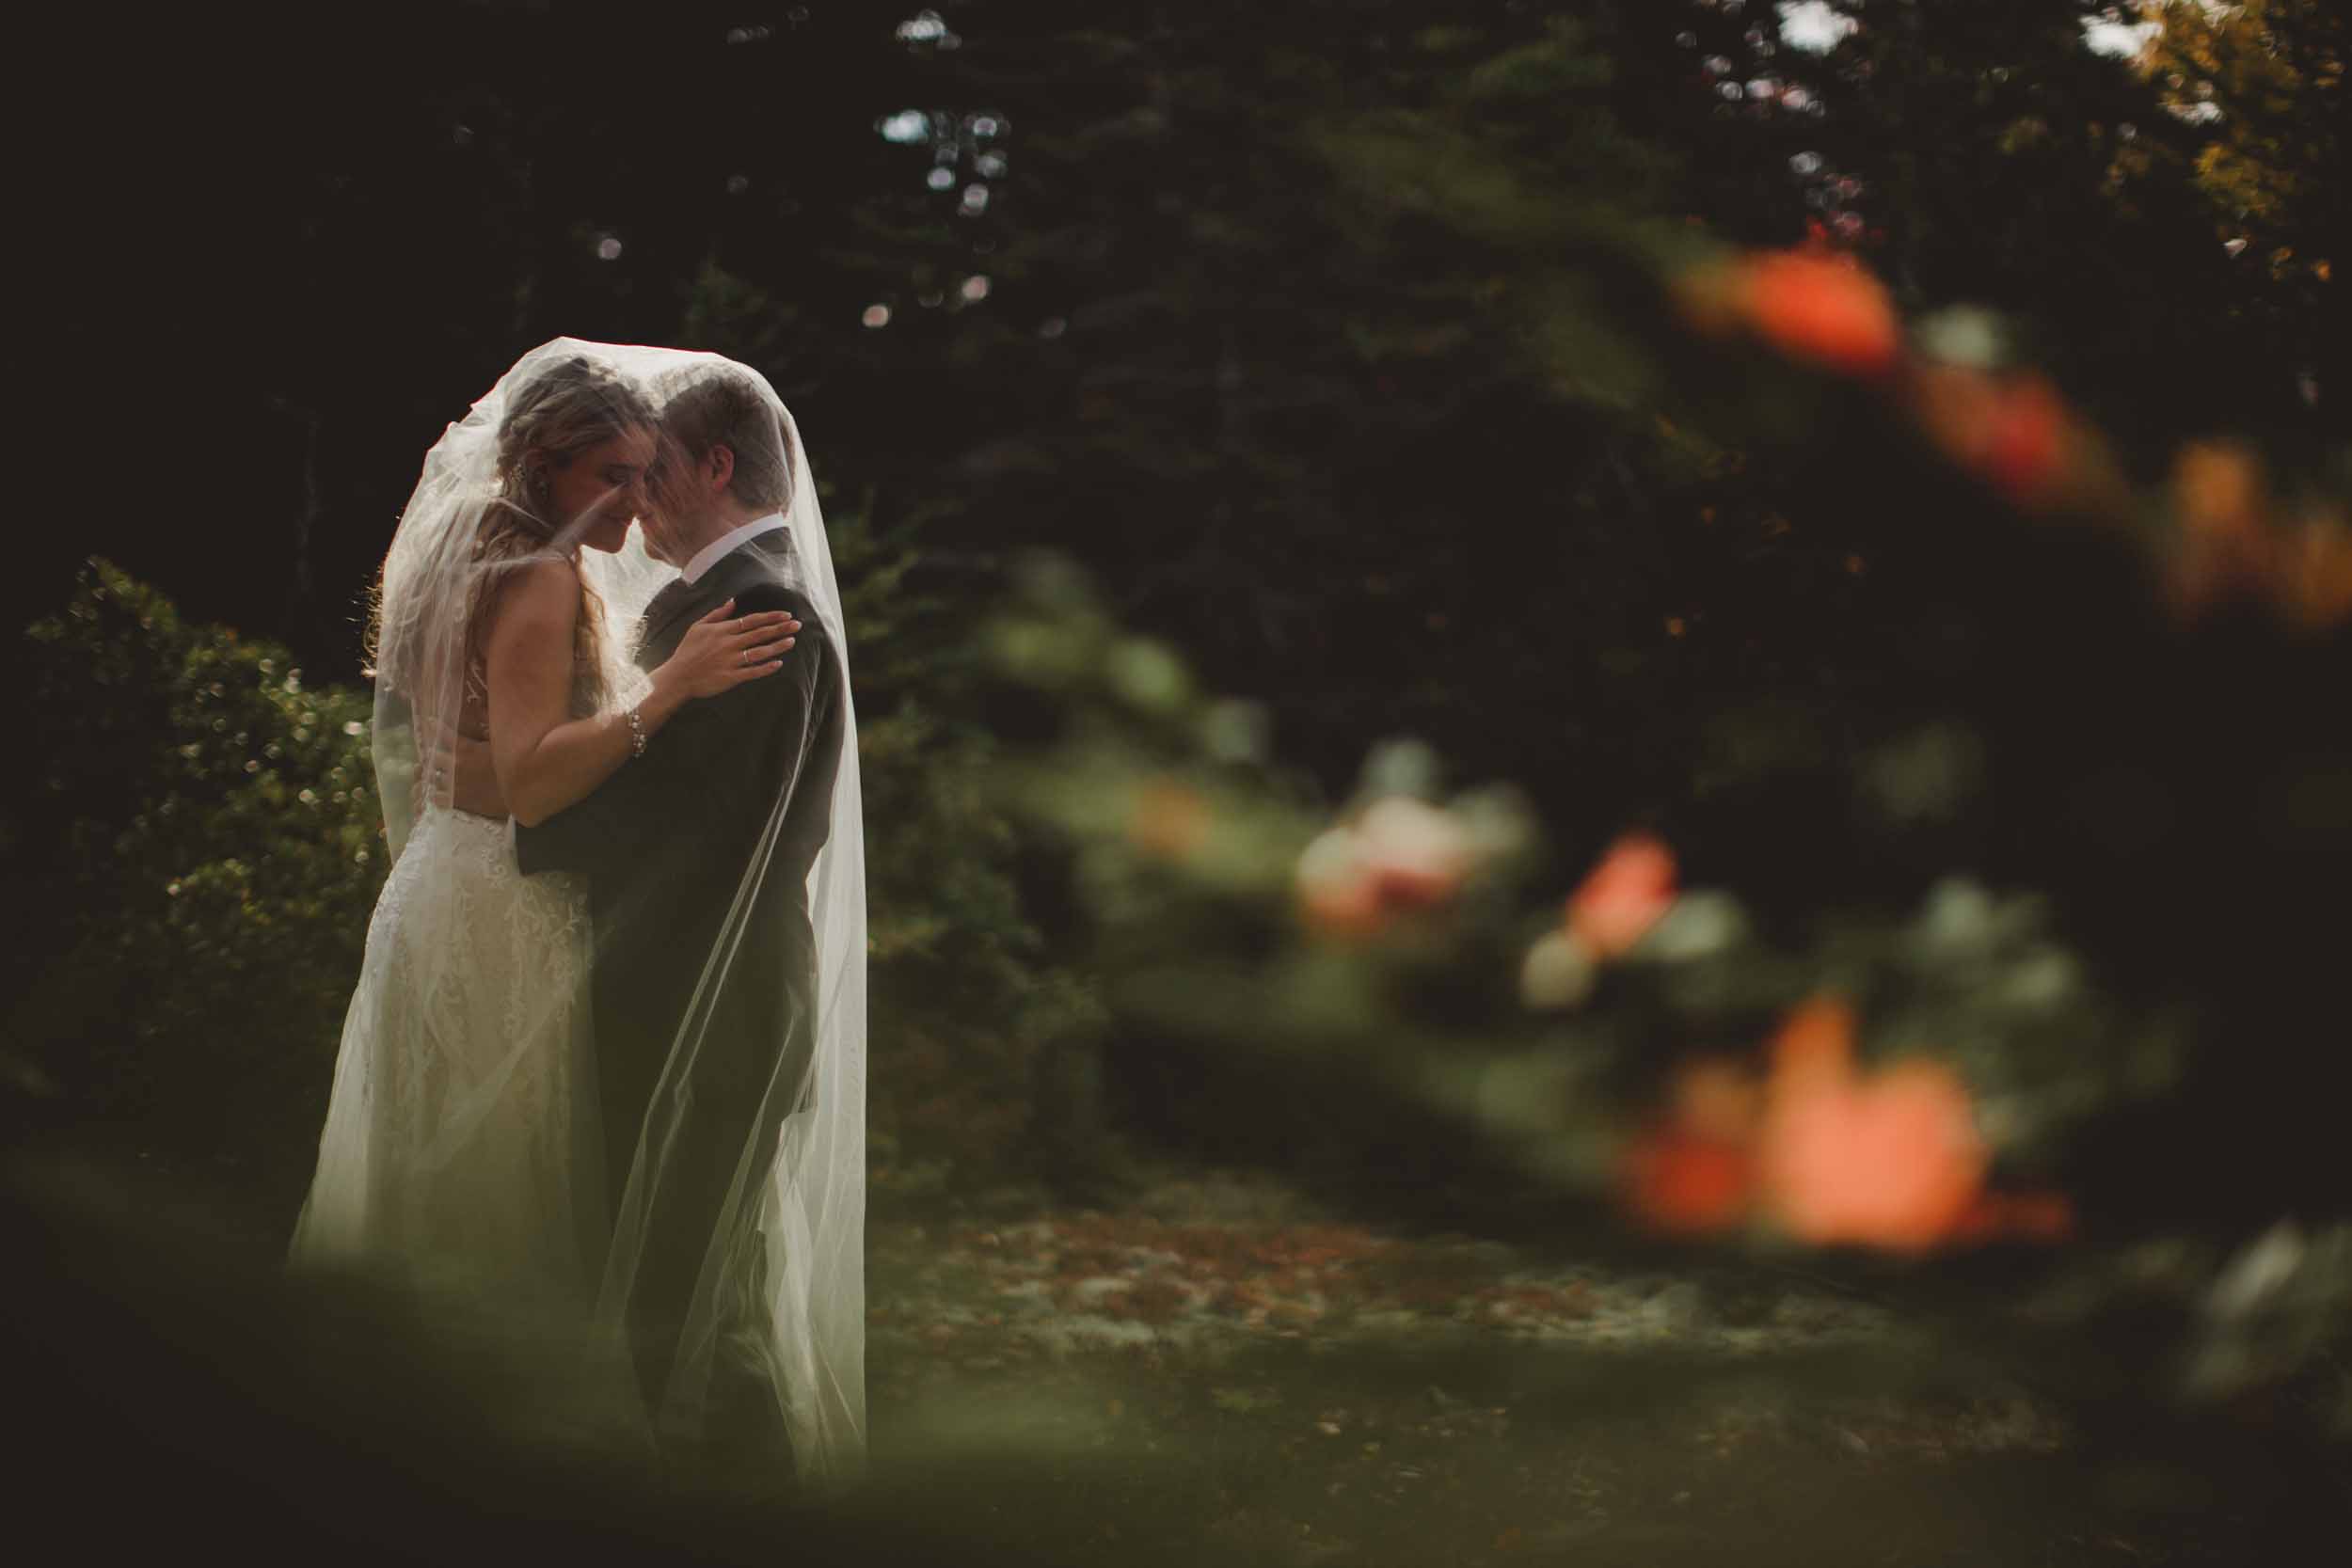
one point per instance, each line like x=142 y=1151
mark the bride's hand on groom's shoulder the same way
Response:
x=723 y=650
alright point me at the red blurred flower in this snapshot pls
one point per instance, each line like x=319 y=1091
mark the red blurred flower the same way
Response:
x=2014 y=432
x=1679 y=1181
x=1623 y=896
x=2315 y=571
x=1694 y=1171
x=1822 y=307
x=2025 y=440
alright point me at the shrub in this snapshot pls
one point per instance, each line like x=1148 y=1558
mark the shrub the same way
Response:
x=201 y=843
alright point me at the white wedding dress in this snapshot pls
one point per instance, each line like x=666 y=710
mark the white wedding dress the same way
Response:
x=460 y=1143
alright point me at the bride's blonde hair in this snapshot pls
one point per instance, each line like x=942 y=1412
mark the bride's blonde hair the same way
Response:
x=572 y=405
x=554 y=416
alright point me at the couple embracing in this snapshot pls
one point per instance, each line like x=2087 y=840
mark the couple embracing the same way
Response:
x=608 y=1041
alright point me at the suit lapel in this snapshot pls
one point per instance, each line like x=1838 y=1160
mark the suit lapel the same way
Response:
x=663 y=609
x=661 y=618
x=759 y=558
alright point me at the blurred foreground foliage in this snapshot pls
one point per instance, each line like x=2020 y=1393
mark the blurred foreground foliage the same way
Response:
x=147 y=1342
x=148 y=1338
x=1409 y=1000
x=1959 y=703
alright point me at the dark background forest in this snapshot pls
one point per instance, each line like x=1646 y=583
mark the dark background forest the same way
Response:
x=1230 y=416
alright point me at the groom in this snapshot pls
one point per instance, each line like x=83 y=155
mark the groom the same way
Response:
x=698 y=855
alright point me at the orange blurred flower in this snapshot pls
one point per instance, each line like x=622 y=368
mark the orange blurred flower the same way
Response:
x=1822 y=307
x=2315 y=571
x=2218 y=488
x=1890 y=1161
x=2224 y=544
x=1815 y=1045
x=1623 y=896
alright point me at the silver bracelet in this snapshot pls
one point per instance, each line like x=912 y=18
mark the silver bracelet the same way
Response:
x=636 y=734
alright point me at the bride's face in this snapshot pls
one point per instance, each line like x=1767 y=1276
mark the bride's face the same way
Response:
x=600 y=489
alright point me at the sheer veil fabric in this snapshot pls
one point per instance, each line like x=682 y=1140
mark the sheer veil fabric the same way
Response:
x=486 y=1044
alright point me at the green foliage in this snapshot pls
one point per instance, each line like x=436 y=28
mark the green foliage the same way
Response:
x=1193 y=862
x=972 y=1027
x=2263 y=83
x=204 y=828
x=2003 y=163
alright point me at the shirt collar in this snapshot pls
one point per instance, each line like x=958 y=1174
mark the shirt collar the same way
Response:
x=727 y=543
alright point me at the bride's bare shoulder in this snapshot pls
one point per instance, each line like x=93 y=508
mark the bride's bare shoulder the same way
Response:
x=537 y=593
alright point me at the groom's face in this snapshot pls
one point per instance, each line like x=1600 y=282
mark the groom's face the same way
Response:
x=681 y=494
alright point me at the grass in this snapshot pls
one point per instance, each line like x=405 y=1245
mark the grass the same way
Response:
x=1215 y=1372
x=1221 y=1372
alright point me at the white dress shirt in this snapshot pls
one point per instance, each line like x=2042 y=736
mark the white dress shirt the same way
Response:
x=727 y=543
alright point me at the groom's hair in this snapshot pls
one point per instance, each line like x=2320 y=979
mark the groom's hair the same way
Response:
x=711 y=407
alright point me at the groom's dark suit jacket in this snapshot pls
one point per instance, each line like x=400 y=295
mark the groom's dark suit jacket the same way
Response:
x=665 y=843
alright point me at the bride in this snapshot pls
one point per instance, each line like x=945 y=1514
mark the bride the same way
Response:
x=463 y=1146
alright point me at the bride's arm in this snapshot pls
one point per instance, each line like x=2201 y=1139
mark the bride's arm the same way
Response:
x=473 y=777
x=545 y=759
